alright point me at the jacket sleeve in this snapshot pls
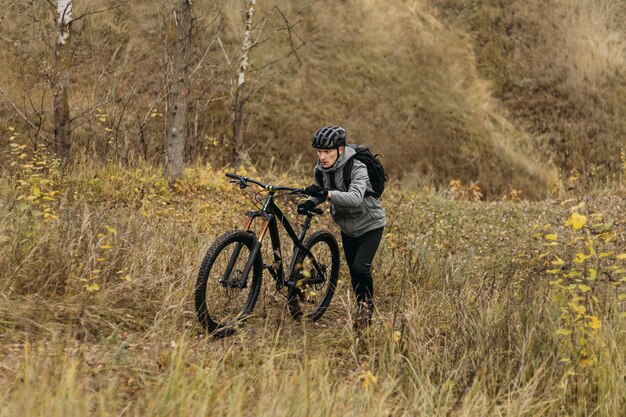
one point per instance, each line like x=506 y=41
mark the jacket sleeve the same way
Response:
x=358 y=185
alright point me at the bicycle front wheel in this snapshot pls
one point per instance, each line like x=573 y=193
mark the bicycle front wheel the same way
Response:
x=314 y=288
x=224 y=298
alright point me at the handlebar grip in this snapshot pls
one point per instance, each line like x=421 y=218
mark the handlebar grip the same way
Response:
x=317 y=210
x=233 y=176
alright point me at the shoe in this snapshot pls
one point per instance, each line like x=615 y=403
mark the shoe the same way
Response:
x=363 y=315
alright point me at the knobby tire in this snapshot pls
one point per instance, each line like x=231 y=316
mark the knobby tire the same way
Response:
x=208 y=283
x=319 y=240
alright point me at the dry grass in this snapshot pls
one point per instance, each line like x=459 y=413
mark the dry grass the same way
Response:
x=465 y=325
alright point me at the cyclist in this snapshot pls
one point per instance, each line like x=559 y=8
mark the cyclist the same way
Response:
x=360 y=216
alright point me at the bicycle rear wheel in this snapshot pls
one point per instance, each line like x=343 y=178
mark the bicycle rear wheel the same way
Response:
x=313 y=291
x=223 y=300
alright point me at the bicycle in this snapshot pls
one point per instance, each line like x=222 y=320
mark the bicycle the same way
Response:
x=224 y=285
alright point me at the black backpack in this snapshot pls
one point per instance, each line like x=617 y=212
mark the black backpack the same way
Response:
x=375 y=171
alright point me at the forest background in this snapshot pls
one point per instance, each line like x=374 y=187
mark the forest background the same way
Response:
x=502 y=125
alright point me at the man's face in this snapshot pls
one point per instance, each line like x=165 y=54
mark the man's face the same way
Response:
x=328 y=157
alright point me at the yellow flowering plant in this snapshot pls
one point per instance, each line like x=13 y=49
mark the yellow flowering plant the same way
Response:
x=582 y=266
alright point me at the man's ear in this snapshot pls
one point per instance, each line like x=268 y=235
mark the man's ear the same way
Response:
x=341 y=150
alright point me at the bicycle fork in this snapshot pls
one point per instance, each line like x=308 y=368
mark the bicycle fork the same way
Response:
x=242 y=282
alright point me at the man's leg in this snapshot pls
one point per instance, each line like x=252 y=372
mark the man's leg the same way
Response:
x=360 y=253
x=361 y=267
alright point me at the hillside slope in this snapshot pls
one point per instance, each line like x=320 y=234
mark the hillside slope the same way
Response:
x=505 y=94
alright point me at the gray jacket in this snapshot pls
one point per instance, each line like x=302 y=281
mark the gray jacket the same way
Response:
x=351 y=209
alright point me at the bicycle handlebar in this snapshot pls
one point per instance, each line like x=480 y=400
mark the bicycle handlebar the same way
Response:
x=244 y=180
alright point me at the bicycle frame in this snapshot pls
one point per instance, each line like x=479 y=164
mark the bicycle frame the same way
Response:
x=270 y=212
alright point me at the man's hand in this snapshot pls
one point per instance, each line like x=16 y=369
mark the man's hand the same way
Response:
x=304 y=208
x=315 y=190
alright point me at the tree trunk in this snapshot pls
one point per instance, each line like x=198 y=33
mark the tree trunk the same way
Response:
x=239 y=98
x=179 y=93
x=62 y=72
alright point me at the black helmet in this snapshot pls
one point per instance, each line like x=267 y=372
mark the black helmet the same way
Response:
x=329 y=137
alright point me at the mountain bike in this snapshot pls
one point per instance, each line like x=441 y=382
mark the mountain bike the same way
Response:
x=230 y=276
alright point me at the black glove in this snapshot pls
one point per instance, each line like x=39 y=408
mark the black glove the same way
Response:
x=304 y=208
x=315 y=190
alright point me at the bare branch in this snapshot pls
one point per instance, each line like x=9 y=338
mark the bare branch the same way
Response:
x=293 y=51
x=203 y=56
x=219 y=40
x=86 y=14
x=22 y=115
x=289 y=26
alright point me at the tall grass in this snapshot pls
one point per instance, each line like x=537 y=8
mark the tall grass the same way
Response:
x=465 y=324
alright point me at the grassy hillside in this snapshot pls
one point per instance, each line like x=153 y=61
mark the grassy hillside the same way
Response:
x=479 y=309
x=559 y=69
x=505 y=95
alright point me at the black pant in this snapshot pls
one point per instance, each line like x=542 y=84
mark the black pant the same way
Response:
x=360 y=253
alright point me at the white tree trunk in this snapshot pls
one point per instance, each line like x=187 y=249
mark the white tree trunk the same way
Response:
x=241 y=81
x=179 y=93
x=62 y=73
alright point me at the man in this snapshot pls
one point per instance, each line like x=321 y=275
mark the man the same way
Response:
x=359 y=214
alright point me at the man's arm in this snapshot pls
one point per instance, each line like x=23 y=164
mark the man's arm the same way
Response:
x=358 y=185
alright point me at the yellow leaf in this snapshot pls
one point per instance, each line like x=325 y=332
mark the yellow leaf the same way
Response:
x=36 y=192
x=605 y=254
x=550 y=236
x=580 y=258
x=577 y=308
x=105 y=247
x=595 y=323
x=621 y=256
x=563 y=332
x=584 y=363
x=584 y=288
x=368 y=379
x=92 y=287
x=553 y=271
x=621 y=297
x=593 y=274
x=111 y=230
x=592 y=250
x=558 y=261
x=577 y=221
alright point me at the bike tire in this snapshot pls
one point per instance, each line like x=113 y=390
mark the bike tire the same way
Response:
x=325 y=249
x=213 y=294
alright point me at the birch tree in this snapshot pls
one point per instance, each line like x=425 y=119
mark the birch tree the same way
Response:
x=239 y=98
x=61 y=80
x=179 y=92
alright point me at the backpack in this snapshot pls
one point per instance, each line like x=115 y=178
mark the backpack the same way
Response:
x=375 y=171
